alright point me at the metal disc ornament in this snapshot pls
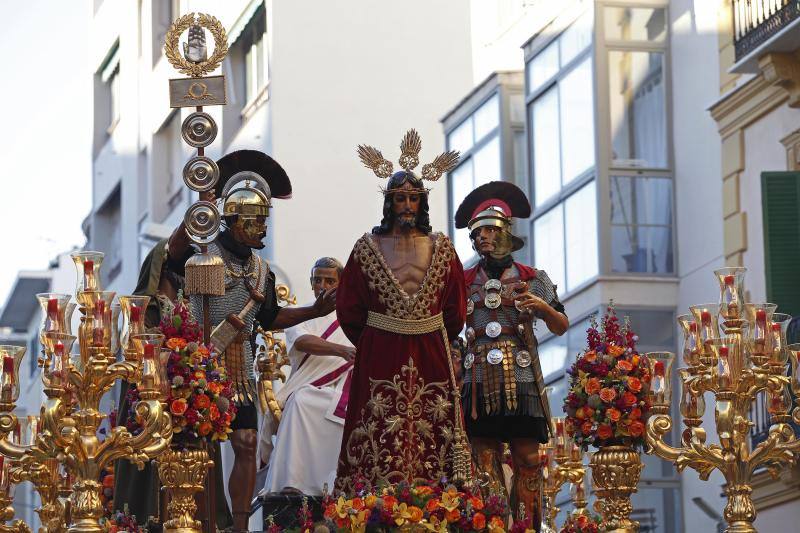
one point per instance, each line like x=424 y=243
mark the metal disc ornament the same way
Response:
x=199 y=129
x=200 y=173
x=493 y=300
x=470 y=307
x=494 y=329
x=492 y=285
x=202 y=222
x=523 y=358
x=469 y=359
x=495 y=356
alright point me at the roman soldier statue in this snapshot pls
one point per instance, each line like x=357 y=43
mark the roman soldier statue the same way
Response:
x=503 y=390
x=248 y=181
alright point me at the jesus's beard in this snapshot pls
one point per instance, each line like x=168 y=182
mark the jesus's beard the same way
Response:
x=407 y=223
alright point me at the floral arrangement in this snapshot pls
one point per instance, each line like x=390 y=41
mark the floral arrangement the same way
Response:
x=438 y=507
x=607 y=400
x=581 y=524
x=200 y=397
x=107 y=494
x=119 y=521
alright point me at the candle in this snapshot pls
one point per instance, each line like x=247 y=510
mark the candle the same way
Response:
x=88 y=275
x=136 y=313
x=52 y=309
x=149 y=351
x=7 y=380
x=724 y=369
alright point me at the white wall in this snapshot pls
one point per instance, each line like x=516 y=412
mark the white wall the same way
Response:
x=698 y=197
x=340 y=77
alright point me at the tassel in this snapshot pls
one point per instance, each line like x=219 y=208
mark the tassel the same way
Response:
x=205 y=274
x=462 y=459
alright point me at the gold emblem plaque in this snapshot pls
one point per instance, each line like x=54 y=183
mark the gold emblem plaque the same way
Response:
x=193 y=92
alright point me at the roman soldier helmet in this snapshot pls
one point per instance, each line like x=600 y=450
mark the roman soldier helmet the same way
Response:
x=263 y=180
x=494 y=204
x=410 y=147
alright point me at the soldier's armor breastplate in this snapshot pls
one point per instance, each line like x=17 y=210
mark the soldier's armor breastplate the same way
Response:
x=501 y=363
x=238 y=357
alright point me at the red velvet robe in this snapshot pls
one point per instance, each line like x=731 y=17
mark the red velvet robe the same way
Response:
x=400 y=422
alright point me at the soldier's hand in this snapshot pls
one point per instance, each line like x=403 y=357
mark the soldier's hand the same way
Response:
x=325 y=303
x=348 y=353
x=530 y=303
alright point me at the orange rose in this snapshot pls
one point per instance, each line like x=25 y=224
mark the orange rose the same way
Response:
x=496 y=523
x=636 y=414
x=608 y=395
x=613 y=414
x=357 y=504
x=636 y=428
x=580 y=414
x=615 y=350
x=201 y=401
x=176 y=344
x=214 y=387
x=204 y=429
x=178 y=407
x=629 y=398
x=635 y=360
x=424 y=490
x=583 y=521
x=199 y=374
x=108 y=481
x=416 y=513
x=604 y=431
x=592 y=386
x=590 y=356
x=330 y=511
x=586 y=427
x=477 y=503
x=369 y=501
x=389 y=502
x=624 y=365
x=479 y=521
x=634 y=384
x=452 y=516
x=432 y=505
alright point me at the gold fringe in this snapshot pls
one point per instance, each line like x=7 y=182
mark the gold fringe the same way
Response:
x=205 y=274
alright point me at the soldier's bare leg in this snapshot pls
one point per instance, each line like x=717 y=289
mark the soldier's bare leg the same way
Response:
x=527 y=482
x=243 y=476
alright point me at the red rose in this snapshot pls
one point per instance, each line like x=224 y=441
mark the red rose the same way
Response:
x=608 y=394
x=636 y=428
x=604 y=431
x=629 y=398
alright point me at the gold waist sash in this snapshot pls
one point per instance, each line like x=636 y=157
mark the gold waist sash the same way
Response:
x=404 y=326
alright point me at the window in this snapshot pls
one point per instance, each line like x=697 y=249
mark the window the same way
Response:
x=477 y=138
x=560 y=89
x=641 y=224
x=635 y=24
x=565 y=239
x=638 y=109
x=780 y=194
x=110 y=90
x=255 y=55
x=164 y=12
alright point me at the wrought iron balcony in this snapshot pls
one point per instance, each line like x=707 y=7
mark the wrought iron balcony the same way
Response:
x=755 y=21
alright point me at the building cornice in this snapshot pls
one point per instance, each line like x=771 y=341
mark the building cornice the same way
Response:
x=745 y=104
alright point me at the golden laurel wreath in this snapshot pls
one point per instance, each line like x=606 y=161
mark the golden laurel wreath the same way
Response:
x=183 y=65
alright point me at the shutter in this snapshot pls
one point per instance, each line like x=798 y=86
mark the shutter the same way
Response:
x=780 y=197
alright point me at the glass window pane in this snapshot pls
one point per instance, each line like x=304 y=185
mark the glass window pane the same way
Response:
x=577 y=37
x=635 y=24
x=641 y=249
x=543 y=67
x=548 y=244
x=487 y=117
x=641 y=200
x=486 y=163
x=460 y=186
x=546 y=160
x=577 y=121
x=460 y=139
x=580 y=214
x=553 y=357
x=638 y=109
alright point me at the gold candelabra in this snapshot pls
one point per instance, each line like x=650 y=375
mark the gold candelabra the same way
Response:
x=74 y=385
x=745 y=358
x=563 y=463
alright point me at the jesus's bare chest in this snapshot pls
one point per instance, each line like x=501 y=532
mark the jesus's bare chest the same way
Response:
x=408 y=258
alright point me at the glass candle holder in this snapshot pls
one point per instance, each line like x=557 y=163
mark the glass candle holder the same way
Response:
x=99 y=318
x=57 y=347
x=731 y=297
x=31 y=431
x=9 y=379
x=56 y=313
x=561 y=439
x=147 y=343
x=133 y=310
x=705 y=316
x=794 y=354
x=116 y=310
x=690 y=340
x=777 y=332
x=759 y=316
x=722 y=350
x=87 y=266
x=692 y=405
x=660 y=383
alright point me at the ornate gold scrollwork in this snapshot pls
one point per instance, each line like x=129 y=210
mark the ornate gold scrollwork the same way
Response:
x=176 y=59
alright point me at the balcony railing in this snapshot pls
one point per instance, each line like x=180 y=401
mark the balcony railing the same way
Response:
x=755 y=21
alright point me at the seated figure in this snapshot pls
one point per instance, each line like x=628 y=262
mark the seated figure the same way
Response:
x=313 y=400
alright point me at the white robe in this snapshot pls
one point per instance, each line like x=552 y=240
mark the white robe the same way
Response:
x=309 y=436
